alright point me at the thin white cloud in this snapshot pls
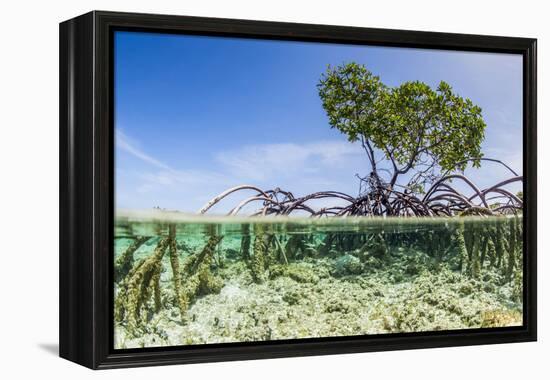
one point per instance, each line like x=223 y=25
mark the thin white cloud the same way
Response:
x=129 y=145
x=302 y=169
x=262 y=161
x=166 y=175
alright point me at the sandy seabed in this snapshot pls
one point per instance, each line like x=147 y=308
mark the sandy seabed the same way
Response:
x=321 y=298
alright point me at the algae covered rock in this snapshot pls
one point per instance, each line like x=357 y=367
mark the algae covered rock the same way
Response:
x=292 y=297
x=347 y=265
x=338 y=305
x=501 y=318
x=298 y=272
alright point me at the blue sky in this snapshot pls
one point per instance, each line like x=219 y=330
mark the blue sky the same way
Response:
x=196 y=115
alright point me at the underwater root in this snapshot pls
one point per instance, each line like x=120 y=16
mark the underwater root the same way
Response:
x=196 y=277
x=175 y=264
x=259 y=262
x=267 y=251
x=497 y=246
x=141 y=284
x=124 y=262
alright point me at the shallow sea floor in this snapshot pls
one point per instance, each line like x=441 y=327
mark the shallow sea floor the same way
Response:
x=327 y=297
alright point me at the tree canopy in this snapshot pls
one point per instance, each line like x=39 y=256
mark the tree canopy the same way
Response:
x=418 y=129
x=426 y=135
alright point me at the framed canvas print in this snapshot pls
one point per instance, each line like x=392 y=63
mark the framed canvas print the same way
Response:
x=238 y=189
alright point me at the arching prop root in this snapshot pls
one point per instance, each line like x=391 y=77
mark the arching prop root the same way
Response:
x=441 y=199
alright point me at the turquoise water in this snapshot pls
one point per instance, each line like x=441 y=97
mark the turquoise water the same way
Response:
x=182 y=279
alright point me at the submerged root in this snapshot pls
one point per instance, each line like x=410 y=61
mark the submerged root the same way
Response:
x=125 y=261
x=245 y=241
x=175 y=264
x=512 y=247
x=259 y=260
x=295 y=247
x=196 y=277
x=280 y=252
x=458 y=240
x=142 y=282
x=374 y=247
x=495 y=246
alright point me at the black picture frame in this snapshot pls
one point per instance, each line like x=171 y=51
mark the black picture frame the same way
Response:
x=86 y=188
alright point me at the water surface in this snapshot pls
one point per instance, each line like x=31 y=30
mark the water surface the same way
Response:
x=184 y=279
